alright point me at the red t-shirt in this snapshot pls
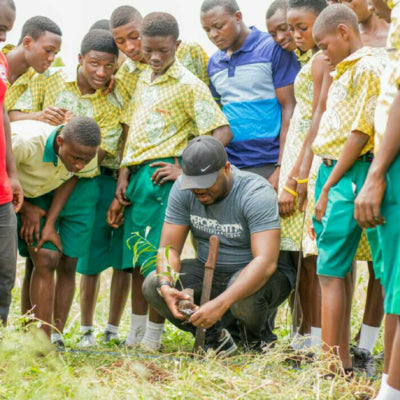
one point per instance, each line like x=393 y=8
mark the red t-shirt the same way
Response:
x=5 y=188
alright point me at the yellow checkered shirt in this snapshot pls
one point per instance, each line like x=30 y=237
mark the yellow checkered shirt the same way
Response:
x=351 y=103
x=37 y=175
x=390 y=84
x=393 y=39
x=61 y=90
x=168 y=112
x=20 y=94
x=303 y=58
x=193 y=57
x=129 y=73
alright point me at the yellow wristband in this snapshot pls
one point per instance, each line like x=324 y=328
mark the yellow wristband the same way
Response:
x=302 y=180
x=292 y=192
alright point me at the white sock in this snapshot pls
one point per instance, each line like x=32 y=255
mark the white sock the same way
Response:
x=138 y=328
x=153 y=335
x=307 y=341
x=316 y=334
x=384 y=379
x=368 y=337
x=111 y=328
x=300 y=342
x=297 y=342
x=85 y=329
x=55 y=337
x=389 y=393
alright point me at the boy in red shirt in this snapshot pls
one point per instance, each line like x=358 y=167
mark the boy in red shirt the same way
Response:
x=11 y=196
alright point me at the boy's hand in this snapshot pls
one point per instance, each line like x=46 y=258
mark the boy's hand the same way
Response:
x=311 y=233
x=368 y=202
x=166 y=172
x=49 y=234
x=287 y=201
x=68 y=116
x=122 y=186
x=30 y=219
x=18 y=194
x=53 y=116
x=320 y=207
x=111 y=85
x=302 y=192
x=274 y=179
x=115 y=214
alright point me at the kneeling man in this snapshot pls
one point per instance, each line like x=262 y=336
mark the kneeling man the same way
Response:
x=212 y=197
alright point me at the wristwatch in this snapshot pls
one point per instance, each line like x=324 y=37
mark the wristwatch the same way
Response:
x=163 y=283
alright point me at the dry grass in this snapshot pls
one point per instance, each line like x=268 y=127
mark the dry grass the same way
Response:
x=31 y=369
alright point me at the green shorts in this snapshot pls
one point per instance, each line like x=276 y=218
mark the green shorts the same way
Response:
x=106 y=242
x=390 y=240
x=75 y=222
x=338 y=234
x=144 y=219
x=374 y=240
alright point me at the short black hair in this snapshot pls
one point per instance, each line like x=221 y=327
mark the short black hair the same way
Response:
x=275 y=6
x=159 y=24
x=229 y=5
x=101 y=24
x=82 y=130
x=37 y=26
x=329 y=19
x=123 y=15
x=99 y=40
x=10 y=3
x=315 y=6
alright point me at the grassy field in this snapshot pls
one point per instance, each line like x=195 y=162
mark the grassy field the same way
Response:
x=31 y=369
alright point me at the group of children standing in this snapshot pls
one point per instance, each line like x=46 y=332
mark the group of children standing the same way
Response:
x=344 y=94
x=88 y=186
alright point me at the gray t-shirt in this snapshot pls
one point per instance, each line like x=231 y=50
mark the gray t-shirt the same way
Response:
x=250 y=207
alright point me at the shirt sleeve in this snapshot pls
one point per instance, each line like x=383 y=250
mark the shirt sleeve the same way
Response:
x=200 y=61
x=22 y=149
x=285 y=67
x=110 y=123
x=128 y=75
x=204 y=110
x=367 y=83
x=261 y=209
x=126 y=116
x=215 y=94
x=177 y=212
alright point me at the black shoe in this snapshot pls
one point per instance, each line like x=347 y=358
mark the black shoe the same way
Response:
x=222 y=345
x=59 y=345
x=110 y=337
x=260 y=346
x=363 y=361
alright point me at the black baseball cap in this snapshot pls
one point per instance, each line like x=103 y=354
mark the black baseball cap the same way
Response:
x=201 y=160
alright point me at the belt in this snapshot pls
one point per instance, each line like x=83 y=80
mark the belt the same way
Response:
x=135 y=168
x=109 y=172
x=367 y=157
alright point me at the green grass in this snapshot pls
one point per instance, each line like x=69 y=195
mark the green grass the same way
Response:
x=31 y=369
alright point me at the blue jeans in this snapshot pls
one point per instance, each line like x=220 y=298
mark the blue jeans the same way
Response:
x=8 y=257
x=256 y=312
